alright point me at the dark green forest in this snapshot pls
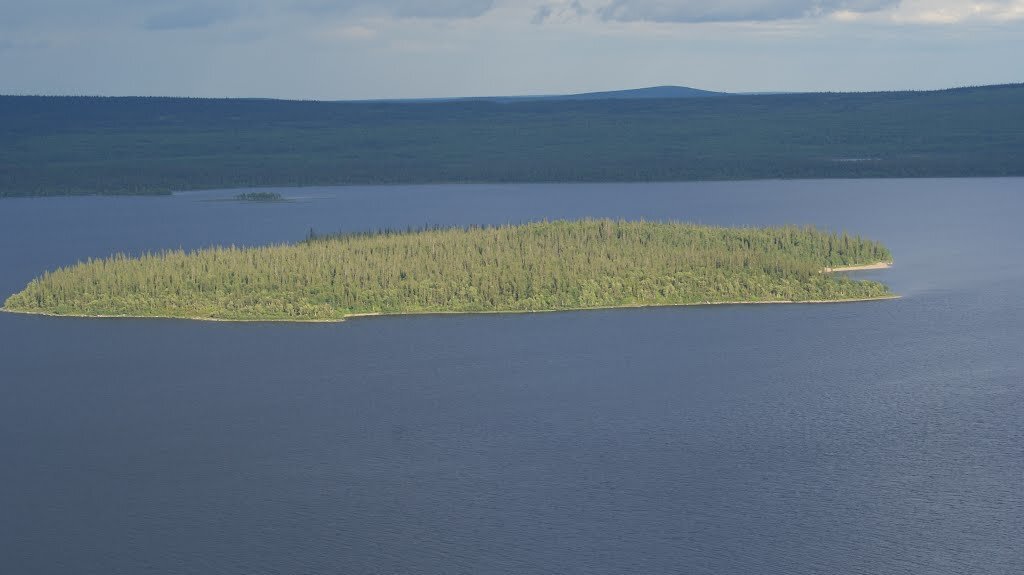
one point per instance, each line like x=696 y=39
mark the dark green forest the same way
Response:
x=86 y=145
x=530 y=267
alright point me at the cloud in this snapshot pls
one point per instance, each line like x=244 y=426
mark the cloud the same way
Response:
x=696 y=11
x=437 y=9
x=357 y=33
x=957 y=11
x=442 y=8
x=79 y=16
x=190 y=16
x=560 y=11
x=703 y=11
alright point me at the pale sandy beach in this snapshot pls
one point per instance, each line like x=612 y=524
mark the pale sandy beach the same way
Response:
x=878 y=266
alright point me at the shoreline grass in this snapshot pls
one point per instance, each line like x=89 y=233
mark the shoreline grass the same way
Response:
x=352 y=316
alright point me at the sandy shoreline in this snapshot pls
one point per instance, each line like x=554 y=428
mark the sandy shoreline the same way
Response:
x=380 y=314
x=878 y=266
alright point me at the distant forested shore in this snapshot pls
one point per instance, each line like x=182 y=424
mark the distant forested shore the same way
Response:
x=89 y=145
x=544 y=266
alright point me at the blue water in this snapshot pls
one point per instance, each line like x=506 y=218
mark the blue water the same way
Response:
x=871 y=438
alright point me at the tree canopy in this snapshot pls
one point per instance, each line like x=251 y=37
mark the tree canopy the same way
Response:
x=554 y=265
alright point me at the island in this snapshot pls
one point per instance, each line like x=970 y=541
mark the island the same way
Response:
x=259 y=197
x=531 y=267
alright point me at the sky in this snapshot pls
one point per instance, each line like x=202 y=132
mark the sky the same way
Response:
x=369 y=49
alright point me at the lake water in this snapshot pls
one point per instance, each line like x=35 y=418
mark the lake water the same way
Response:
x=871 y=438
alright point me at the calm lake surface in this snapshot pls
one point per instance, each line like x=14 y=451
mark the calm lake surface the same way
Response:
x=871 y=438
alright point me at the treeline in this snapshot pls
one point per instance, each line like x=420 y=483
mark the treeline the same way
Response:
x=537 y=266
x=77 y=145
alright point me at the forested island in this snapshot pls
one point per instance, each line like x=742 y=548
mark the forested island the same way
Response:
x=259 y=197
x=83 y=145
x=544 y=266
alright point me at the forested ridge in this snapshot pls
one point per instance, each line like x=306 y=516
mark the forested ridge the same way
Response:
x=87 y=145
x=530 y=267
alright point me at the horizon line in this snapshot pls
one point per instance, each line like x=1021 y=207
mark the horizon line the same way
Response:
x=524 y=97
